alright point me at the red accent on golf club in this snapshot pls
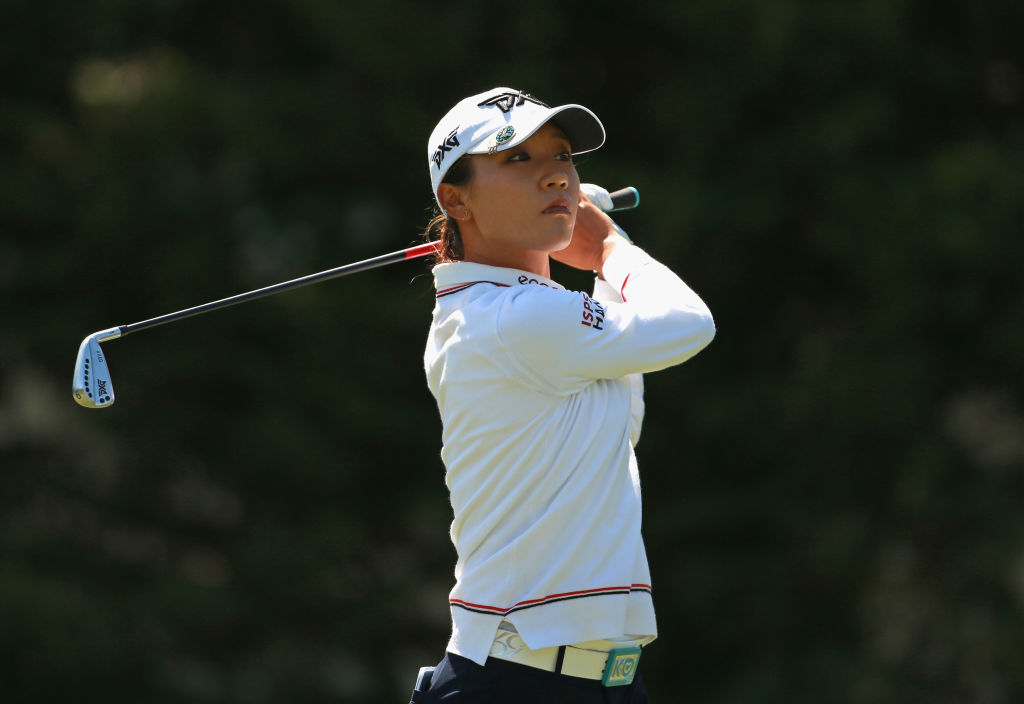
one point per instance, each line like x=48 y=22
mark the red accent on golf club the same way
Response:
x=423 y=250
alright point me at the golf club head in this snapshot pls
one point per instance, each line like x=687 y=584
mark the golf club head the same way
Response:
x=91 y=385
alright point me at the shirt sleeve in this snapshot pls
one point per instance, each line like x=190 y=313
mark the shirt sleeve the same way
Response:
x=563 y=339
x=603 y=291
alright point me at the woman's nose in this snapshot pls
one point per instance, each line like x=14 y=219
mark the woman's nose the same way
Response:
x=556 y=180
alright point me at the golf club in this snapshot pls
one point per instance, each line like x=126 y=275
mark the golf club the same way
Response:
x=92 y=387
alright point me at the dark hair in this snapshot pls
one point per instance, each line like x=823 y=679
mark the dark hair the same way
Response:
x=443 y=227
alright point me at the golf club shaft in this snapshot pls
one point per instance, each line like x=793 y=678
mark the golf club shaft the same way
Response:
x=621 y=199
x=416 y=252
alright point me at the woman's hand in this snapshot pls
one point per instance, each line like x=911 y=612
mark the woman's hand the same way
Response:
x=593 y=239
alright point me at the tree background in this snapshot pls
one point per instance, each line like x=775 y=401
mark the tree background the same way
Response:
x=832 y=489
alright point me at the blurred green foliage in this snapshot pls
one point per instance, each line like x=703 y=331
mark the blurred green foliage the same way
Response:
x=833 y=490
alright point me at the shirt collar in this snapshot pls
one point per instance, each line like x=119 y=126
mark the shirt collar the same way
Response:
x=455 y=273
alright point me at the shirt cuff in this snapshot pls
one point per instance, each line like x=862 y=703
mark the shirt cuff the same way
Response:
x=623 y=262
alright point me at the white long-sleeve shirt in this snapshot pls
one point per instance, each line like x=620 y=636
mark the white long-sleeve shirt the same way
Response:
x=540 y=396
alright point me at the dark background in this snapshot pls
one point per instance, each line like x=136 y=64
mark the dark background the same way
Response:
x=833 y=489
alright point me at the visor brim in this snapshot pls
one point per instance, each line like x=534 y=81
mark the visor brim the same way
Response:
x=581 y=126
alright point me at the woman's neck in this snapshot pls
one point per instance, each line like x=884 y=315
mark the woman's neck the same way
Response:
x=507 y=255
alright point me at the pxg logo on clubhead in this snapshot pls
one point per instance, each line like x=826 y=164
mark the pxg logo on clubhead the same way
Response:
x=92 y=387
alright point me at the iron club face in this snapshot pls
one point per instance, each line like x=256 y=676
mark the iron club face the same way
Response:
x=91 y=386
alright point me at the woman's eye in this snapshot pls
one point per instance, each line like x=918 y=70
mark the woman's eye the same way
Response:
x=524 y=156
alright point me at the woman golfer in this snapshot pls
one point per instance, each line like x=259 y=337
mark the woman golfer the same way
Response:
x=541 y=399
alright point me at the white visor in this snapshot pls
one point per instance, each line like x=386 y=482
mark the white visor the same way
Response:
x=500 y=119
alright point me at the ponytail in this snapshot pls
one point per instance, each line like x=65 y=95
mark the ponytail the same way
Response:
x=446 y=229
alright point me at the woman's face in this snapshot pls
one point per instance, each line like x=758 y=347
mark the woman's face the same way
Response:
x=522 y=202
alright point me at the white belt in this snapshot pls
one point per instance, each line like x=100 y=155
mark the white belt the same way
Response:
x=577 y=661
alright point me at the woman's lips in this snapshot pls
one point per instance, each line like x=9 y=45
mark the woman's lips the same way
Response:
x=558 y=207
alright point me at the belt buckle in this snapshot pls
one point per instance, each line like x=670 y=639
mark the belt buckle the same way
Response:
x=621 y=667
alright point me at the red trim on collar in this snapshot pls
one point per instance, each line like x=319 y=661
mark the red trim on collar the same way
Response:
x=460 y=287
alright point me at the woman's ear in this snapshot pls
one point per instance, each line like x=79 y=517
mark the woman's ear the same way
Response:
x=452 y=200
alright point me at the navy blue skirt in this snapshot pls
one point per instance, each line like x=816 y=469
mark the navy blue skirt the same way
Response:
x=457 y=680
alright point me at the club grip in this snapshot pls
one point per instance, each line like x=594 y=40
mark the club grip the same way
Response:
x=625 y=198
